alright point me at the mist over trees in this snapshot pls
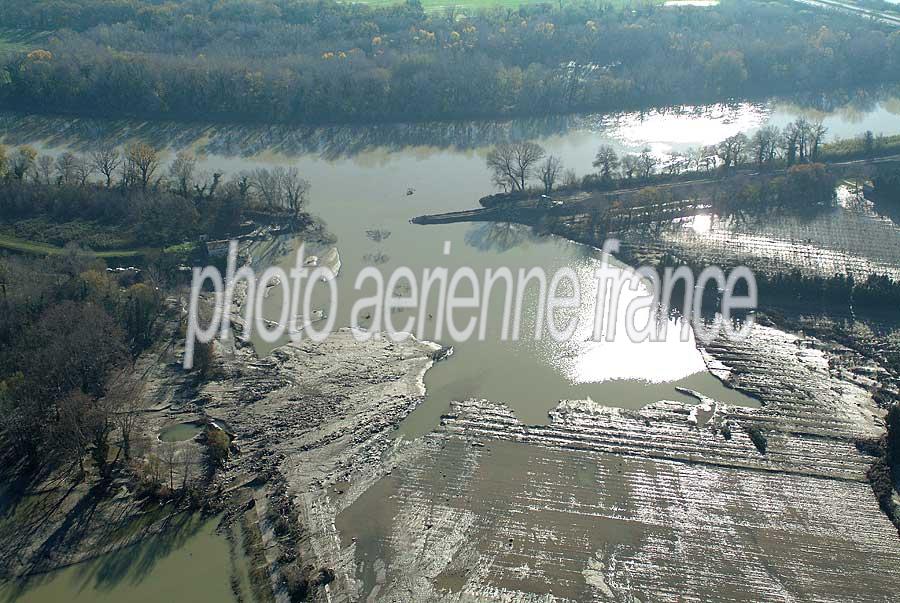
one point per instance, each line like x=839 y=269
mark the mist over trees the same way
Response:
x=323 y=61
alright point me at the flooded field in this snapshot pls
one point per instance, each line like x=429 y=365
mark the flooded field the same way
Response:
x=651 y=505
x=852 y=238
x=574 y=516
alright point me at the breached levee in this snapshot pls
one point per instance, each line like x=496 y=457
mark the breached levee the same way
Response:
x=657 y=504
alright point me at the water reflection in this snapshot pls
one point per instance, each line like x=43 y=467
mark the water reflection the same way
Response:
x=615 y=355
x=499 y=236
x=361 y=178
x=663 y=129
x=147 y=572
x=848 y=238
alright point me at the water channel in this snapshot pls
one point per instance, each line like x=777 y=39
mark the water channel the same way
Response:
x=367 y=184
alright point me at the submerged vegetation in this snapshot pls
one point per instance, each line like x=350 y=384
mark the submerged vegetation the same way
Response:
x=322 y=61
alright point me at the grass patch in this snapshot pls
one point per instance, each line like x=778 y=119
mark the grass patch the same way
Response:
x=90 y=234
x=18 y=40
x=475 y=5
x=24 y=246
x=39 y=236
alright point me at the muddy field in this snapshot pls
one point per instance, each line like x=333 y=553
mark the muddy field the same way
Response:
x=610 y=504
x=851 y=238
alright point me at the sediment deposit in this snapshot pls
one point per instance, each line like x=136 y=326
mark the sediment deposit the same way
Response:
x=668 y=502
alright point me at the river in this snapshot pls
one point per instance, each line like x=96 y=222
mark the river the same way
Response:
x=189 y=562
x=361 y=179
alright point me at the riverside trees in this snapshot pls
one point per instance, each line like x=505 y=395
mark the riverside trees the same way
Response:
x=136 y=203
x=295 y=61
x=513 y=164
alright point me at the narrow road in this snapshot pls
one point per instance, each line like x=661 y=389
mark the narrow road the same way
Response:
x=850 y=8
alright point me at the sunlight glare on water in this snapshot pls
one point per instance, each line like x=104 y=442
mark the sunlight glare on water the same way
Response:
x=614 y=355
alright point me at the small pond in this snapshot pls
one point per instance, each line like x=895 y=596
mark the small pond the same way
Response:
x=180 y=432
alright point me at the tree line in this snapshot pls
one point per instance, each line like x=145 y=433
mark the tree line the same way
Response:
x=320 y=61
x=524 y=167
x=132 y=198
x=801 y=141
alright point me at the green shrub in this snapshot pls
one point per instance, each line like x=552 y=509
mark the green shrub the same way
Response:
x=217 y=445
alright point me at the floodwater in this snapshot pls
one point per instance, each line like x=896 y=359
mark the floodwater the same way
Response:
x=605 y=527
x=361 y=179
x=851 y=238
x=149 y=572
x=180 y=432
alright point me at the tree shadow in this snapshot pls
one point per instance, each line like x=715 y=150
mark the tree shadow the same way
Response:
x=499 y=236
x=132 y=563
x=243 y=140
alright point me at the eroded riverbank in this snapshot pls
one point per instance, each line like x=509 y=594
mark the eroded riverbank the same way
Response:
x=610 y=496
x=651 y=504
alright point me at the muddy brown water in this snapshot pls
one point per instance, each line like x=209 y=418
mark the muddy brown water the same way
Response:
x=360 y=179
x=192 y=564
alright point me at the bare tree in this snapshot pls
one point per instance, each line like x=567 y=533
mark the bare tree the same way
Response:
x=71 y=434
x=106 y=161
x=168 y=453
x=101 y=425
x=570 y=178
x=295 y=189
x=647 y=162
x=764 y=145
x=817 y=133
x=267 y=186
x=65 y=168
x=549 y=172
x=676 y=163
x=190 y=460
x=789 y=142
x=143 y=161
x=206 y=184
x=181 y=172
x=23 y=162
x=607 y=161
x=802 y=127
x=280 y=187
x=125 y=401
x=629 y=166
x=869 y=142
x=731 y=150
x=44 y=169
x=513 y=164
x=82 y=170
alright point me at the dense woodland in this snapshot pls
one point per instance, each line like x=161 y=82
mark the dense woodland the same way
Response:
x=323 y=61
x=70 y=393
x=66 y=326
